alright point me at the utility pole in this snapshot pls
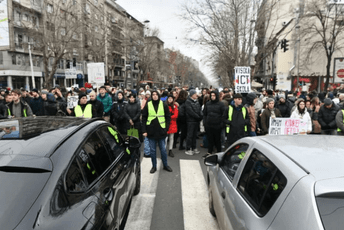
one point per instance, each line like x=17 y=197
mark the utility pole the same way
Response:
x=32 y=75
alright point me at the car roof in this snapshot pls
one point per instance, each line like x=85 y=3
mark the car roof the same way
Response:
x=36 y=136
x=320 y=155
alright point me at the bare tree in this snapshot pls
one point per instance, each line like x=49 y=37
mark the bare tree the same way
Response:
x=322 y=27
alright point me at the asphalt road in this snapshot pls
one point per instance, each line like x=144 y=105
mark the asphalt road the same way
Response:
x=173 y=200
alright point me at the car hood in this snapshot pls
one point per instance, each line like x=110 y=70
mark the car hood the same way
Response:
x=20 y=187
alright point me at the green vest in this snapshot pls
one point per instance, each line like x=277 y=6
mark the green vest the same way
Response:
x=343 y=121
x=160 y=115
x=230 y=113
x=87 y=113
x=24 y=112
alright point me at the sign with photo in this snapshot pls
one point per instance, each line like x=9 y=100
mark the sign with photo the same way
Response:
x=287 y=126
x=242 y=79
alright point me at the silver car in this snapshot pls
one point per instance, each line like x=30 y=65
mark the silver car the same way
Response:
x=278 y=182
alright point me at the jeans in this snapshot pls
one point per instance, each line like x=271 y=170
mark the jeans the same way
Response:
x=161 y=143
x=252 y=134
x=169 y=140
x=146 y=149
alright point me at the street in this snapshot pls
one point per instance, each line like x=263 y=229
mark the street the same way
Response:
x=177 y=200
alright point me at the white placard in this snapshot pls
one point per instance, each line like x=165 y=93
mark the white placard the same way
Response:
x=287 y=126
x=338 y=70
x=4 y=32
x=96 y=72
x=70 y=73
x=336 y=1
x=72 y=101
x=242 y=79
x=282 y=82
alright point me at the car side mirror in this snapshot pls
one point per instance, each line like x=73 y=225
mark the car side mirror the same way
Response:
x=134 y=143
x=211 y=160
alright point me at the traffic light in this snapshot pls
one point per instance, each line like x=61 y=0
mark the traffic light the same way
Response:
x=284 y=45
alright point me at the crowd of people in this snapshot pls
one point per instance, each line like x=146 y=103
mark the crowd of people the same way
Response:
x=180 y=115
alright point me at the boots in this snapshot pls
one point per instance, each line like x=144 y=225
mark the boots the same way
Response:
x=170 y=153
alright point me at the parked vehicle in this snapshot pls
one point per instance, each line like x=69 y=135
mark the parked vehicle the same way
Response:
x=65 y=173
x=278 y=182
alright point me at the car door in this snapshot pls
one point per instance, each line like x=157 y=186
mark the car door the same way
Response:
x=223 y=196
x=120 y=179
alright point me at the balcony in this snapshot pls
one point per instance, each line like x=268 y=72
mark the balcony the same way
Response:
x=119 y=62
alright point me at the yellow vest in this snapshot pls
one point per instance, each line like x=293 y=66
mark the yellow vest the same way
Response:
x=87 y=113
x=343 y=122
x=160 y=115
x=230 y=113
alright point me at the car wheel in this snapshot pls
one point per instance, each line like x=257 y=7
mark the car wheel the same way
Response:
x=138 y=180
x=211 y=204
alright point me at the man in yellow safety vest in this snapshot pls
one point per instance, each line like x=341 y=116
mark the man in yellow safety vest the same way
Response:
x=84 y=109
x=155 y=123
x=236 y=119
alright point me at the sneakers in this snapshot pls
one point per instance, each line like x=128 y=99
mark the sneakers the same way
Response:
x=168 y=168
x=170 y=153
x=153 y=170
x=189 y=152
x=196 y=151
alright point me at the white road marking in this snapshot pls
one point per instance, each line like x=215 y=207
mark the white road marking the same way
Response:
x=141 y=210
x=195 y=197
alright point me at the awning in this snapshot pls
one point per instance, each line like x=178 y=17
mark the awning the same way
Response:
x=59 y=75
x=79 y=76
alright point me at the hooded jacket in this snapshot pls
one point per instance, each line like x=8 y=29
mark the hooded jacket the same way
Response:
x=3 y=111
x=98 y=107
x=192 y=110
x=117 y=110
x=132 y=111
x=36 y=105
x=174 y=115
x=212 y=113
x=238 y=122
x=285 y=108
x=154 y=130
x=50 y=105
x=106 y=100
x=327 y=117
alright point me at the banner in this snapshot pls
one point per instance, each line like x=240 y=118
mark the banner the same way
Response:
x=96 y=72
x=4 y=32
x=70 y=73
x=338 y=70
x=242 y=79
x=287 y=126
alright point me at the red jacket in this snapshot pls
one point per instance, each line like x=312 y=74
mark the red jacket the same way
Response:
x=174 y=115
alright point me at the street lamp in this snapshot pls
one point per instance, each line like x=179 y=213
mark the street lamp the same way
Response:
x=32 y=75
x=298 y=58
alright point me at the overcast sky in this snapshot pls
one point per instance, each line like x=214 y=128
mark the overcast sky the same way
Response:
x=163 y=14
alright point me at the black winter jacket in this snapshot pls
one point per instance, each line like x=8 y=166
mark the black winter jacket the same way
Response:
x=193 y=110
x=117 y=111
x=284 y=108
x=212 y=113
x=3 y=111
x=327 y=117
x=238 y=123
x=133 y=111
x=154 y=130
x=98 y=107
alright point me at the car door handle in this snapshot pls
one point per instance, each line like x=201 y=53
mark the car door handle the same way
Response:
x=223 y=194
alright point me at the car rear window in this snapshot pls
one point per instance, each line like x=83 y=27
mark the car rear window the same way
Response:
x=331 y=210
x=261 y=183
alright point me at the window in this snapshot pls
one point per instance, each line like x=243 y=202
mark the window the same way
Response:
x=75 y=52
x=25 y=17
x=74 y=179
x=108 y=135
x=34 y=21
x=94 y=158
x=75 y=36
x=50 y=8
x=95 y=2
x=96 y=16
x=261 y=183
x=232 y=159
x=1 y=58
x=14 y=59
x=63 y=31
x=17 y=16
x=96 y=29
x=87 y=9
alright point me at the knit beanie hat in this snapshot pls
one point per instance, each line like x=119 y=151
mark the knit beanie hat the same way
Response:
x=192 y=92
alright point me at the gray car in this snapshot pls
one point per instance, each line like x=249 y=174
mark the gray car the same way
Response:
x=278 y=182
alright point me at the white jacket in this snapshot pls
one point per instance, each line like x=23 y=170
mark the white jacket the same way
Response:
x=305 y=117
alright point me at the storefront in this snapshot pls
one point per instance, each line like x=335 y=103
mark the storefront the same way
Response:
x=59 y=79
x=16 y=79
x=310 y=83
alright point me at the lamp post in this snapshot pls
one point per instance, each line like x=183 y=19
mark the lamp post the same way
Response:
x=298 y=57
x=32 y=75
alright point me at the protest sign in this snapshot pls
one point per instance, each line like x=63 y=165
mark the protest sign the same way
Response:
x=287 y=126
x=96 y=72
x=242 y=79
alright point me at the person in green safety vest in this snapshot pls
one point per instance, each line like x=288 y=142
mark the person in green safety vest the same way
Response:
x=84 y=109
x=18 y=107
x=156 y=119
x=236 y=119
x=340 y=122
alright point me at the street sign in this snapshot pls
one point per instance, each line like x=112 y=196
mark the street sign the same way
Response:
x=242 y=79
x=338 y=70
x=96 y=72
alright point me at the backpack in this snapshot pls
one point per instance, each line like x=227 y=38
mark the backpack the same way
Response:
x=181 y=113
x=59 y=112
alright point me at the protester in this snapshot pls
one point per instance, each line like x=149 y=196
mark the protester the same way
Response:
x=302 y=113
x=18 y=108
x=327 y=117
x=236 y=119
x=117 y=113
x=97 y=105
x=173 y=125
x=251 y=100
x=270 y=111
x=155 y=123
x=84 y=109
x=193 y=118
x=181 y=121
x=104 y=98
x=132 y=113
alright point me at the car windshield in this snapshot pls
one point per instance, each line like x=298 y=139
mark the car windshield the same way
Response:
x=27 y=128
